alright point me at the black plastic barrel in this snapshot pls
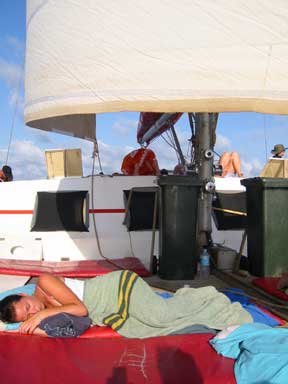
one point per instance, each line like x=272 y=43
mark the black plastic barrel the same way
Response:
x=178 y=219
x=267 y=232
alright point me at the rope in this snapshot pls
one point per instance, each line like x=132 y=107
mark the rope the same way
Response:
x=95 y=151
x=265 y=135
x=13 y=119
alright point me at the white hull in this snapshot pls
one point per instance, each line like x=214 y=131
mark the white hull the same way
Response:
x=17 y=201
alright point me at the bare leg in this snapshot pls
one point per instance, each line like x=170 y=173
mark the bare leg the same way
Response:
x=235 y=158
x=225 y=161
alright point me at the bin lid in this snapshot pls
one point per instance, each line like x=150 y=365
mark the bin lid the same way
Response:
x=185 y=180
x=265 y=182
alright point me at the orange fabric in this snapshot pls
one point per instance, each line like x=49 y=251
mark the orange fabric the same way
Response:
x=140 y=162
x=2 y=176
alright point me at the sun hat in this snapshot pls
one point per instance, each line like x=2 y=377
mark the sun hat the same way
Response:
x=278 y=148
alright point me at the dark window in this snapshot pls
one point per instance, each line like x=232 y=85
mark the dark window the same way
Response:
x=139 y=214
x=61 y=211
x=227 y=209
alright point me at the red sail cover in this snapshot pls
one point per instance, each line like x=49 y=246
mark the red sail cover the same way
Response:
x=147 y=119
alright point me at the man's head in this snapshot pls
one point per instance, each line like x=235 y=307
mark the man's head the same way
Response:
x=6 y=173
x=16 y=308
x=278 y=150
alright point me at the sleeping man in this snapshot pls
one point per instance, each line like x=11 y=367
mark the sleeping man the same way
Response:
x=123 y=301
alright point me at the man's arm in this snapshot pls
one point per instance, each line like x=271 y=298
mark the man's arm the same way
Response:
x=69 y=302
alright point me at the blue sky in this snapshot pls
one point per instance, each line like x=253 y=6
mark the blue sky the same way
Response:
x=252 y=135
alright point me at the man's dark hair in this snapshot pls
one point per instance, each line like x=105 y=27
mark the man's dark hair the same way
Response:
x=7 y=172
x=7 y=308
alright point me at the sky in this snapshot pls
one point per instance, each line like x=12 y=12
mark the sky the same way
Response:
x=252 y=135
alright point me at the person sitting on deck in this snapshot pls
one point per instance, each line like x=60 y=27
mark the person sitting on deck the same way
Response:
x=6 y=173
x=278 y=151
x=230 y=162
x=123 y=301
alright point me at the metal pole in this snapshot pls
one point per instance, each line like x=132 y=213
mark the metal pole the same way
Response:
x=205 y=138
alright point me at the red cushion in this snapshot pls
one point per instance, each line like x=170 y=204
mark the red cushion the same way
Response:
x=102 y=332
x=80 y=269
x=269 y=284
x=169 y=359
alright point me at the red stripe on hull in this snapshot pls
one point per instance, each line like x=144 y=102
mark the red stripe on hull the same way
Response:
x=29 y=212
x=15 y=212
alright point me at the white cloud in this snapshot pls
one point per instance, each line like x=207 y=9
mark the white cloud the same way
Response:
x=10 y=73
x=222 y=143
x=16 y=100
x=112 y=156
x=124 y=127
x=165 y=154
x=16 y=45
x=26 y=160
x=41 y=137
x=251 y=168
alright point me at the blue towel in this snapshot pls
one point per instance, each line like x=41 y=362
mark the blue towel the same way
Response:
x=261 y=353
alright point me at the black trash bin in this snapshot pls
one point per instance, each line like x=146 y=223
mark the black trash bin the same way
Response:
x=178 y=219
x=267 y=232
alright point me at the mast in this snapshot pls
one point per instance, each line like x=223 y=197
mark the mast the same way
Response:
x=205 y=141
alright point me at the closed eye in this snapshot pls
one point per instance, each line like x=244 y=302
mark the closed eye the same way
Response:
x=27 y=307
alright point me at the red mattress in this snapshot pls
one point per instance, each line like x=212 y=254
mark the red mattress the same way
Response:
x=83 y=268
x=269 y=285
x=170 y=359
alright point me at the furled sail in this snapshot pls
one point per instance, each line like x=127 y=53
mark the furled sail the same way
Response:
x=148 y=120
x=94 y=56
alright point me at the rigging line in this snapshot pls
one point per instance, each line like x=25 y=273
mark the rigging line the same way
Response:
x=170 y=140
x=92 y=201
x=131 y=245
x=97 y=153
x=265 y=136
x=171 y=144
x=93 y=214
x=14 y=117
x=177 y=145
x=188 y=152
x=173 y=141
x=216 y=153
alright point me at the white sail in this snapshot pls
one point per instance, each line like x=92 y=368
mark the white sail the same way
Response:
x=94 y=56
